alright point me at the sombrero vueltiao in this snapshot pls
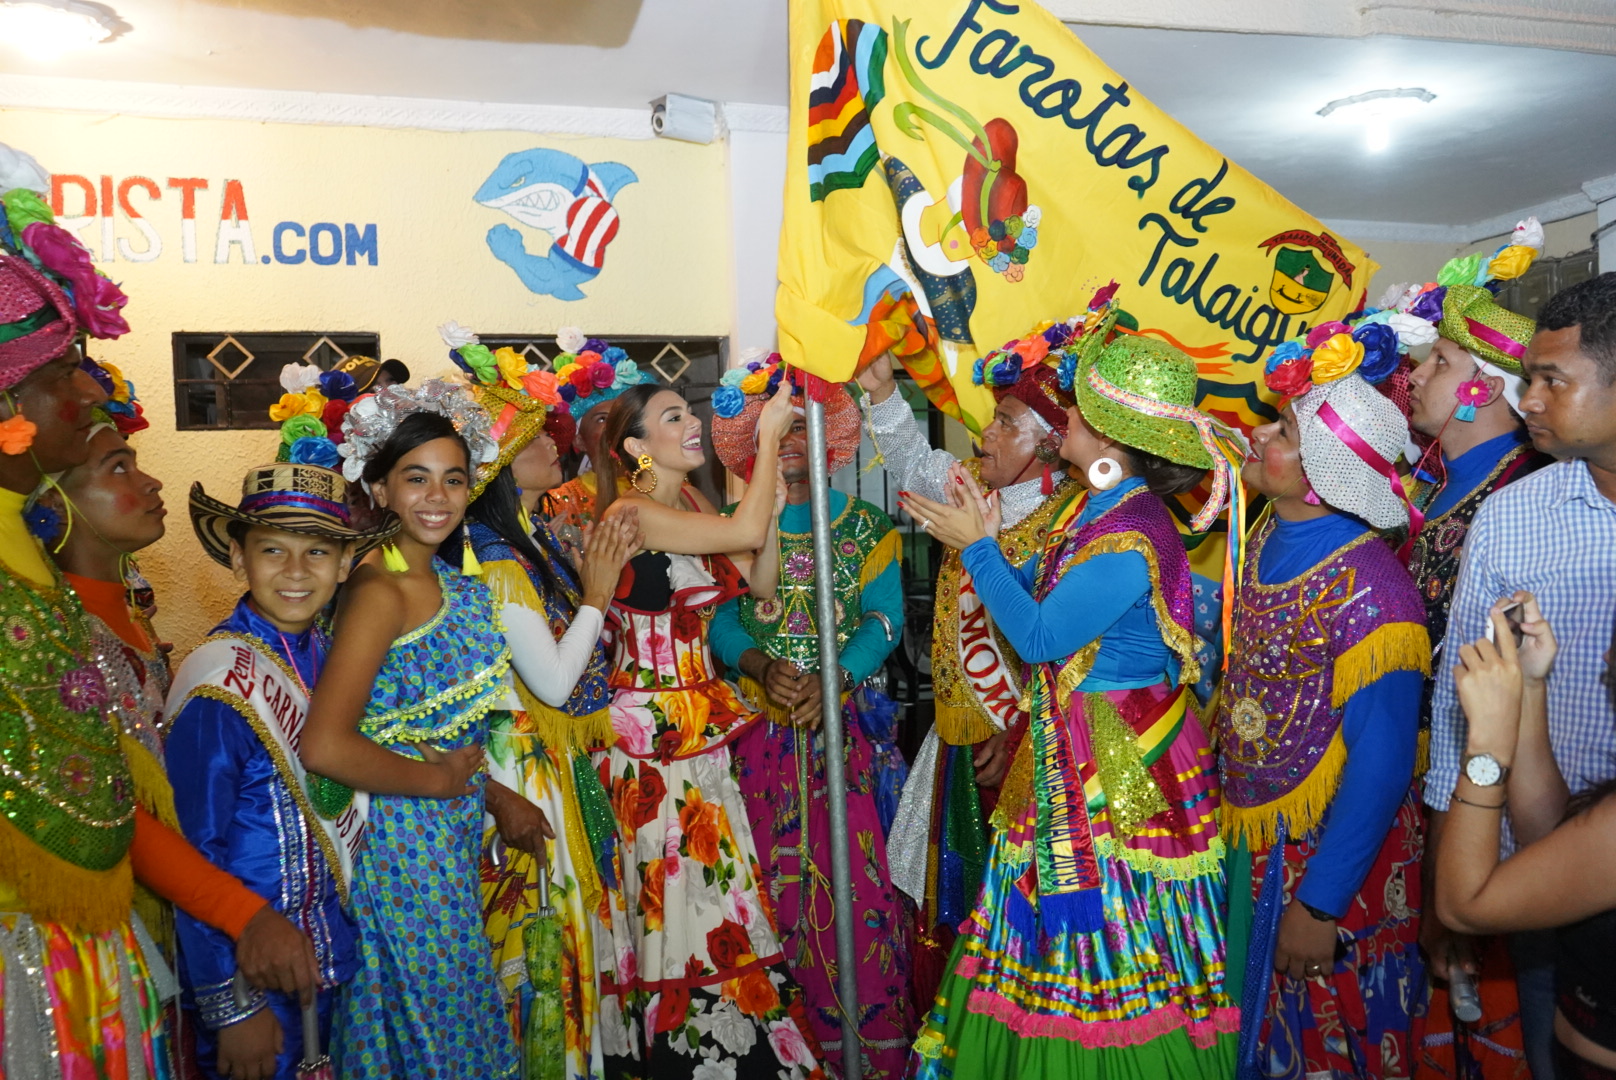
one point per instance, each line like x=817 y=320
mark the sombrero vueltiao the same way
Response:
x=292 y=497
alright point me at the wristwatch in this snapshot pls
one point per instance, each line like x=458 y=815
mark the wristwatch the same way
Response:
x=1484 y=770
x=847 y=681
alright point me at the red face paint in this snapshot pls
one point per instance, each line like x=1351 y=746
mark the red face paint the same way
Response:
x=69 y=412
x=127 y=503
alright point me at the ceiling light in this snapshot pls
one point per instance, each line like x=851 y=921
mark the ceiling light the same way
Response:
x=44 y=29
x=1378 y=111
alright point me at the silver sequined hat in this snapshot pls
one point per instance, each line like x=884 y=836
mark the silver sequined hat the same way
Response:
x=372 y=419
x=1339 y=449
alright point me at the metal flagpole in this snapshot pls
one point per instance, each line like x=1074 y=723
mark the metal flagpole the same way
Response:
x=830 y=685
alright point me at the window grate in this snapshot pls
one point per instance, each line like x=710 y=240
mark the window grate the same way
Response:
x=228 y=381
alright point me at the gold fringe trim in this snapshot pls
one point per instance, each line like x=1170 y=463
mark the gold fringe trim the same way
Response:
x=51 y=889
x=888 y=550
x=1186 y=868
x=562 y=731
x=1422 y=754
x=152 y=789
x=776 y=714
x=1302 y=807
x=961 y=725
x=1398 y=646
x=1178 y=639
x=1015 y=791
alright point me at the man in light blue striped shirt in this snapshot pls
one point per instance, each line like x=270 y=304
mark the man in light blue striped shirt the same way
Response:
x=1554 y=535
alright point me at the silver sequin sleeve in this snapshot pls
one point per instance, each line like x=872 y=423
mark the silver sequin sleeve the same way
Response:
x=910 y=459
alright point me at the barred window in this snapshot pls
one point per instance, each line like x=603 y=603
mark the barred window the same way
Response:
x=228 y=381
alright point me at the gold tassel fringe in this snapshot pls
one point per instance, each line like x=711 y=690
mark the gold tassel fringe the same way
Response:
x=54 y=890
x=1302 y=807
x=961 y=725
x=563 y=731
x=885 y=552
x=1015 y=792
x=753 y=691
x=152 y=789
x=1399 y=646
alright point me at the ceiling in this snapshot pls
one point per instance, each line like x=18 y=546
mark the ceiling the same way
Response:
x=1510 y=127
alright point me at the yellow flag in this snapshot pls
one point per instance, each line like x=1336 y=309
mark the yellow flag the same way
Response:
x=961 y=170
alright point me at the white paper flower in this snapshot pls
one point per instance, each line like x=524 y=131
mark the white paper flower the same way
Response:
x=21 y=170
x=296 y=378
x=1031 y=216
x=570 y=338
x=1412 y=333
x=753 y=352
x=1528 y=233
x=1393 y=296
x=454 y=335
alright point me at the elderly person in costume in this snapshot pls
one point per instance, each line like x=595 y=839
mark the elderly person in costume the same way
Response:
x=238 y=703
x=551 y=843
x=1317 y=729
x=84 y=800
x=700 y=976
x=590 y=375
x=1096 y=946
x=939 y=838
x=1464 y=396
x=773 y=645
x=418 y=659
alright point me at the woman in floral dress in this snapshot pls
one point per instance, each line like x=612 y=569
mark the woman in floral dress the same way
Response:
x=700 y=984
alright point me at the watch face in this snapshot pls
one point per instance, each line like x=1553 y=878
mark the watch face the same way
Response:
x=1484 y=770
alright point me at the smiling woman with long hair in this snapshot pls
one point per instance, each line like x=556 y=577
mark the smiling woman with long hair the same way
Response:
x=700 y=979
x=417 y=660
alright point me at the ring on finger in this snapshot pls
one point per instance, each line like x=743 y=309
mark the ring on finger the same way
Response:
x=925 y=524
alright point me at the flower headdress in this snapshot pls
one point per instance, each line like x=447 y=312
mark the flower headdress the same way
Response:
x=310 y=414
x=591 y=371
x=739 y=399
x=122 y=408
x=372 y=418
x=516 y=395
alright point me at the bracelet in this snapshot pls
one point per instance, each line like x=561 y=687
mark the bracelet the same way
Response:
x=1321 y=916
x=1479 y=805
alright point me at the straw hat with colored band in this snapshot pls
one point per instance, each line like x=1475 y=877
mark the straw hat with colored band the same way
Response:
x=295 y=498
x=739 y=401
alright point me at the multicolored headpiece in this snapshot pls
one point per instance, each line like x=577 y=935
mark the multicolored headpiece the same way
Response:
x=591 y=372
x=516 y=395
x=1027 y=369
x=372 y=418
x=49 y=287
x=310 y=414
x=122 y=408
x=1459 y=306
x=739 y=401
x=1351 y=433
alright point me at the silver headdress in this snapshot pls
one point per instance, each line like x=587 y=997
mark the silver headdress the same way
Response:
x=373 y=418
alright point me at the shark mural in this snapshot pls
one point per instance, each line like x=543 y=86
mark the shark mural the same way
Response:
x=569 y=200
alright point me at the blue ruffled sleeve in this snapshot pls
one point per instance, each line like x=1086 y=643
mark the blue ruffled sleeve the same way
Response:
x=1380 y=729
x=1089 y=599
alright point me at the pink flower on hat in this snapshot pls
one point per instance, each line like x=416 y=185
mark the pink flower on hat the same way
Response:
x=95 y=299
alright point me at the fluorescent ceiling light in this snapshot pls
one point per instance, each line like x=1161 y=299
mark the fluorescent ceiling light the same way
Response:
x=1378 y=110
x=45 y=29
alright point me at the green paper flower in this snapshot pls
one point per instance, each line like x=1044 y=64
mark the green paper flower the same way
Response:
x=1459 y=271
x=24 y=208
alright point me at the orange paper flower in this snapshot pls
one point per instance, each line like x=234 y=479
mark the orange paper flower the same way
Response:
x=17 y=435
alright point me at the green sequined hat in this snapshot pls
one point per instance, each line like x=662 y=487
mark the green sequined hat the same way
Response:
x=1473 y=319
x=1133 y=366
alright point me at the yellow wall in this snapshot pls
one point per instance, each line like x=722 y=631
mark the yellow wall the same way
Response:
x=668 y=271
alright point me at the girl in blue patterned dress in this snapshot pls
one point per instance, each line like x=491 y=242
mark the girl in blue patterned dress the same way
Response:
x=418 y=657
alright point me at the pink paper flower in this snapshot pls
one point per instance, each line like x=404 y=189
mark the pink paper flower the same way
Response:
x=95 y=299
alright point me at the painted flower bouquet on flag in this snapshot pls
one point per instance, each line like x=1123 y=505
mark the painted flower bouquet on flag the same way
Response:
x=959 y=169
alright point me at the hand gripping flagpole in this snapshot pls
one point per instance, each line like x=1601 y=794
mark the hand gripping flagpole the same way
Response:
x=830 y=686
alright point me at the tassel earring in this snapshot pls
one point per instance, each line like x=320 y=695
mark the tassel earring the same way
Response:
x=393 y=559
x=469 y=566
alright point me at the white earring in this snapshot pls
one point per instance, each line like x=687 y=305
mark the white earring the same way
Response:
x=1105 y=474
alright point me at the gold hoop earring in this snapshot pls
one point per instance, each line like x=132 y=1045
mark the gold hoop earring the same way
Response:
x=644 y=462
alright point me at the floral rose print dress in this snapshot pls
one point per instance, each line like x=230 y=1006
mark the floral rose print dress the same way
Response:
x=698 y=986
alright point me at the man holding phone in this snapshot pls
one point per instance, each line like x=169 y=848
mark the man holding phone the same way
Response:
x=1554 y=535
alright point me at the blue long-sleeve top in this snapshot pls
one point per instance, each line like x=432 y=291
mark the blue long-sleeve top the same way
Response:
x=1379 y=727
x=864 y=652
x=1106 y=597
x=1469 y=469
x=235 y=808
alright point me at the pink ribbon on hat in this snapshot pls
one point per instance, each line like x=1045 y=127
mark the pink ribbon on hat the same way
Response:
x=503 y=424
x=1506 y=345
x=1371 y=457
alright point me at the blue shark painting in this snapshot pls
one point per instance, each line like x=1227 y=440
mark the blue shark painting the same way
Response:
x=569 y=200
